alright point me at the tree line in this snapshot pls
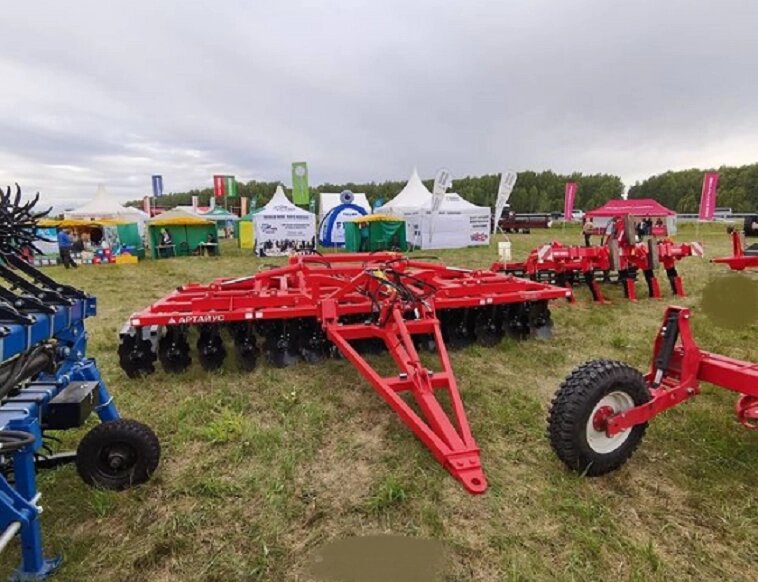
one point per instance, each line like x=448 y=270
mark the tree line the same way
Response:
x=536 y=191
x=680 y=190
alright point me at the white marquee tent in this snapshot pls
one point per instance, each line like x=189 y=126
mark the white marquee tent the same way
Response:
x=409 y=200
x=105 y=205
x=458 y=223
x=281 y=227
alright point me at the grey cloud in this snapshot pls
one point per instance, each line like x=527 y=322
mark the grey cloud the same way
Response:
x=94 y=92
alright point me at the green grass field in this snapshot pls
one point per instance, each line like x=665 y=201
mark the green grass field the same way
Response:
x=260 y=469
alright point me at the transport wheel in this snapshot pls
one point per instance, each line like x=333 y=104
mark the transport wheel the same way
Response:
x=118 y=454
x=591 y=394
x=136 y=357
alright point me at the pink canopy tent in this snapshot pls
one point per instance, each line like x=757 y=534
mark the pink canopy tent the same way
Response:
x=639 y=207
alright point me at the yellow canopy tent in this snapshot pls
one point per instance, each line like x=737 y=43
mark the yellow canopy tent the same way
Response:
x=188 y=231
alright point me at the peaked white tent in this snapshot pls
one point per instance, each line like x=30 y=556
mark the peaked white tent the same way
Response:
x=105 y=205
x=282 y=227
x=409 y=200
x=458 y=223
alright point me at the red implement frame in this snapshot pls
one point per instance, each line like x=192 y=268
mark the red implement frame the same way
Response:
x=678 y=367
x=739 y=261
x=295 y=290
x=563 y=262
x=334 y=287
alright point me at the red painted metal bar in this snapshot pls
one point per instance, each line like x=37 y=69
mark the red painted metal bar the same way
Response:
x=449 y=440
x=686 y=368
x=739 y=261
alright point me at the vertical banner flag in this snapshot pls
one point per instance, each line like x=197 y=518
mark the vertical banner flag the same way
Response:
x=157 y=185
x=300 y=193
x=224 y=186
x=708 y=196
x=231 y=186
x=507 y=182
x=442 y=181
x=146 y=205
x=568 y=200
x=219 y=186
x=243 y=205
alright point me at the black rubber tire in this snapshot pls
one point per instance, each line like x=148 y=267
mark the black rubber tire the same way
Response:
x=133 y=440
x=570 y=412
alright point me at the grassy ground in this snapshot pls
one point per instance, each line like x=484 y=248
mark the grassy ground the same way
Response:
x=259 y=469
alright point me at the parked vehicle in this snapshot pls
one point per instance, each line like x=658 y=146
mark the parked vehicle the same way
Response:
x=511 y=222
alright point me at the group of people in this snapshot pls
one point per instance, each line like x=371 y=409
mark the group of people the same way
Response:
x=615 y=229
x=645 y=227
x=166 y=246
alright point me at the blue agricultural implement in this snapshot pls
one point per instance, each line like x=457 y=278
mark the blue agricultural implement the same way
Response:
x=47 y=384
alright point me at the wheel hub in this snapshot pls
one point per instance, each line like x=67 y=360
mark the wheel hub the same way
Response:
x=600 y=418
x=609 y=405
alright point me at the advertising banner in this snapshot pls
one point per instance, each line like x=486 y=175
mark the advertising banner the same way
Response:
x=507 y=183
x=157 y=186
x=224 y=186
x=568 y=200
x=301 y=195
x=708 y=196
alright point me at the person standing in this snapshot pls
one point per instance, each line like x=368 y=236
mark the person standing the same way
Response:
x=363 y=229
x=166 y=248
x=587 y=230
x=64 y=248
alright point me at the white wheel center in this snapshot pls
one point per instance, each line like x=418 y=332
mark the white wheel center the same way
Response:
x=597 y=439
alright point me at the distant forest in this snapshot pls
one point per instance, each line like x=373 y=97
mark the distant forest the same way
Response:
x=541 y=191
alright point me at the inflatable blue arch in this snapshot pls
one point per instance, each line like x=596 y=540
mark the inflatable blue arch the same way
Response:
x=331 y=231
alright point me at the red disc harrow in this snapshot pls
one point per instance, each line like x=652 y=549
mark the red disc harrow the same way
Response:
x=353 y=304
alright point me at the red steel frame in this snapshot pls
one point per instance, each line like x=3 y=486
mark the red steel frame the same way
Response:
x=561 y=260
x=331 y=287
x=294 y=290
x=678 y=366
x=739 y=261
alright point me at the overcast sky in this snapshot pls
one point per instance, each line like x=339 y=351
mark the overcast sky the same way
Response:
x=93 y=92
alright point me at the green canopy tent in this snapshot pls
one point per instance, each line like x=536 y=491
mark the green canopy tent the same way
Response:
x=187 y=231
x=223 y=219
x=128 y=235
x=375 y=232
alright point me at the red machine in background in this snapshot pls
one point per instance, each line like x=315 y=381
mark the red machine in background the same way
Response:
x=600 y=413
x=353 y=304
x=566 y=265
x=742 y=258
